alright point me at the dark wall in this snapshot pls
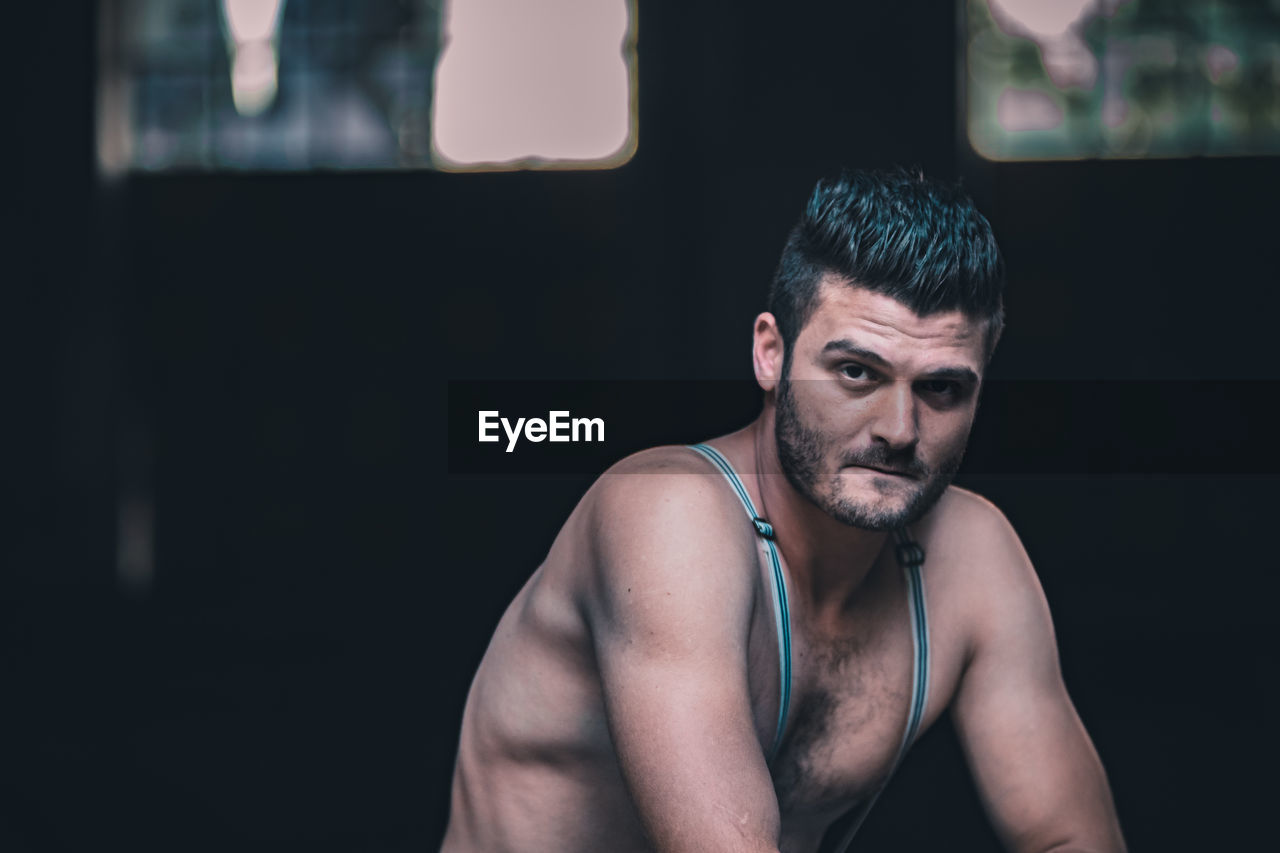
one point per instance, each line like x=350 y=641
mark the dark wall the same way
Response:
x=268 y=357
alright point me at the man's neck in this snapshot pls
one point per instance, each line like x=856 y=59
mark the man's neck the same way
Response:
x=828 y=561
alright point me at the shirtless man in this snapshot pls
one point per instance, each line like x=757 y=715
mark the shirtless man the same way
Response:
x=729 y=647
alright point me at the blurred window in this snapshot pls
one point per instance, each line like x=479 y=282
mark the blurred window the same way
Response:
x=282 y=85
x=1064 y=79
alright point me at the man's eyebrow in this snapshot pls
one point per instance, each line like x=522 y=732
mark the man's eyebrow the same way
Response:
x=849 y=348
x=957 y=374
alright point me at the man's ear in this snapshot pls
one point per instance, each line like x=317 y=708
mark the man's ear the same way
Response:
x=767 y=351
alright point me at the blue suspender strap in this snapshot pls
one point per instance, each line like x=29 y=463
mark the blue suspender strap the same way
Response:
x=911 y=558
x=781 y=614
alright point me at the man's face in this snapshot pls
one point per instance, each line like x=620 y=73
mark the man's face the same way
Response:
x=875 y=410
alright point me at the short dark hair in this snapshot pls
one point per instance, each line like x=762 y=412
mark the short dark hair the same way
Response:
x=917 y=240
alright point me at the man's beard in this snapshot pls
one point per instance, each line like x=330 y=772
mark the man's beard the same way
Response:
x=802 y=453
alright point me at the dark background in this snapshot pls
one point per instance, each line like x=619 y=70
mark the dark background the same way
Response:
x=268 y=357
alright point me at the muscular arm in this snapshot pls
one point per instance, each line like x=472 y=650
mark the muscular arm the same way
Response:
x=1036 y=769
x=669 y=617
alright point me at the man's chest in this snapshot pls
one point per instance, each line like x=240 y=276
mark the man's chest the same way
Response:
x=850 y=705
x=853 y=687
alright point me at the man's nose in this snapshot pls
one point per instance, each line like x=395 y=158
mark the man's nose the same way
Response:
x=894 y=423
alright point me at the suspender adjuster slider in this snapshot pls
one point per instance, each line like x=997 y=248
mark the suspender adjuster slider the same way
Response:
x=763 y=527
x=910 y=554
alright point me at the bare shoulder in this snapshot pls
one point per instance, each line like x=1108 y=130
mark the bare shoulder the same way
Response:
x=965 y=525
x=976 y=555
x=670 y=485
x=661 y=521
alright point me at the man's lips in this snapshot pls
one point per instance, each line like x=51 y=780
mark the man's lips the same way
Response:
x=896 y=472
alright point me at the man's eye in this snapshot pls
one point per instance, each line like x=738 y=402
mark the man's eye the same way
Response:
x=942 y=387
x=855 y=371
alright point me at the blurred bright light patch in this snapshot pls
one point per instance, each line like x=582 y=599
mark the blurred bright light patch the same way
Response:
x=252 y=20
x=251 y=41
x=1069 y=79
x=1046 y=19
x=524 y=84
x=270 y=85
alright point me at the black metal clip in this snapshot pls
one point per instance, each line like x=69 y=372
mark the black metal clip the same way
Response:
x=910 y=554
